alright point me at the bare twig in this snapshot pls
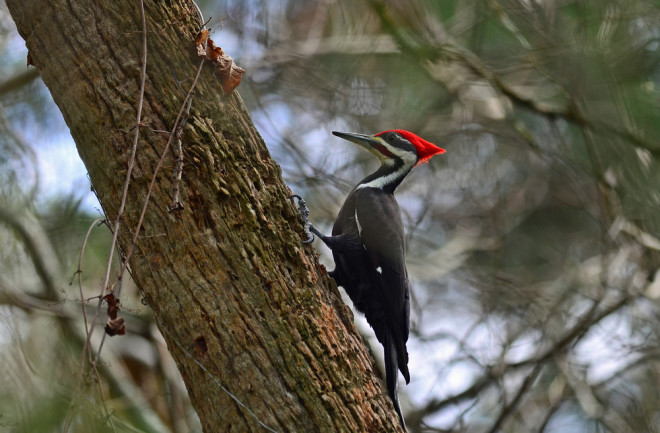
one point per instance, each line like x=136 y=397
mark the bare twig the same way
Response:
x=95 y=223
x=37 y=245
x=178 y=161
x=19 y=80
x=131 y=162
x=508 y=409
x=137 y=120
x=589 y=319
x=131 y=247
x=424 y=52
x=115 y=232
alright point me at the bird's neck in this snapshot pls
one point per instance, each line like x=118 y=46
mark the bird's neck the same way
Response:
x=388 y=176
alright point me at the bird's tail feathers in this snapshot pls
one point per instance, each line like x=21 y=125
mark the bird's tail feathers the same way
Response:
x=391 y=373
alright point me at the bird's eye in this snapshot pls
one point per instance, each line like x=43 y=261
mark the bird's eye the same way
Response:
x=390 y=138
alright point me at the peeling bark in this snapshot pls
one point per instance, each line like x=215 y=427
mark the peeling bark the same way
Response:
x=227 y=277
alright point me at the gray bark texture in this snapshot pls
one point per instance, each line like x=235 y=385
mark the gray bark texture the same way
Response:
x=228 y=280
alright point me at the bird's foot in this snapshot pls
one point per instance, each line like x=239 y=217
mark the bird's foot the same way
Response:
x=304 y=213
x=316 y=231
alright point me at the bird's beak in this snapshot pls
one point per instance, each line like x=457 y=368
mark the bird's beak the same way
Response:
x=369 y=142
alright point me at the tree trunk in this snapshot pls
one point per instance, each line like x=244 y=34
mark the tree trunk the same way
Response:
x=230 y=284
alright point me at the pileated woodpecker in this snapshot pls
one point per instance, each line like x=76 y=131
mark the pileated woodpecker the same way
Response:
x=368 y=245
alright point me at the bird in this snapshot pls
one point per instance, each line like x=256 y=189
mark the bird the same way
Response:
x=368 y=246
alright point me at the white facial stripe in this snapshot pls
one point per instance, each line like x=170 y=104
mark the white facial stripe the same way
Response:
x=380 y=182
x=408 y=159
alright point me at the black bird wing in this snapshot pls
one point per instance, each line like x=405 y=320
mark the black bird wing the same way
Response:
x=381 y=230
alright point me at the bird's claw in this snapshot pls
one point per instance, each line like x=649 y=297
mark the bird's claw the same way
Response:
x=304 y=213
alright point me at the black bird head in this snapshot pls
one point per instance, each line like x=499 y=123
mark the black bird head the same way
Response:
x=398 y=150
x=395 y=144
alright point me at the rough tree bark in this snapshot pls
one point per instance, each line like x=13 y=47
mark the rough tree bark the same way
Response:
x=227 y=278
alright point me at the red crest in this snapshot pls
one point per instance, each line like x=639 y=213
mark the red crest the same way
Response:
x=425 y=149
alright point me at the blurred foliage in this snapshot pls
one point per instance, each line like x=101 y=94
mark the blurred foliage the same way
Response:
x=533 y=242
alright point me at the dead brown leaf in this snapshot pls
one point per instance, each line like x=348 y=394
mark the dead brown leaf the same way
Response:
x=228 y=72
